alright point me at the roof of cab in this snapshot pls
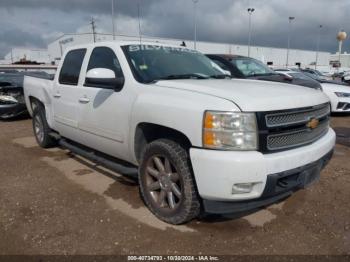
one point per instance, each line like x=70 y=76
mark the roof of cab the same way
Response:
x=123 y=43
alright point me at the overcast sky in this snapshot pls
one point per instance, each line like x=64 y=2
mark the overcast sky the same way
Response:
x=35 y=23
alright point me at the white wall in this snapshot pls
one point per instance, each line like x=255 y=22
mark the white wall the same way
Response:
x=266 y=54
x=344 y=59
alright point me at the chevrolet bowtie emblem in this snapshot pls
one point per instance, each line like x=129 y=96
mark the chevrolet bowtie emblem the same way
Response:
x=313 y=123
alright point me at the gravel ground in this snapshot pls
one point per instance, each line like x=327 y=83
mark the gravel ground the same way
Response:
x=53 y=202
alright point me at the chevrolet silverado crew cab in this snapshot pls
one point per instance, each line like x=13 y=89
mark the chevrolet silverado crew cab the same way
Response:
x=199 y=141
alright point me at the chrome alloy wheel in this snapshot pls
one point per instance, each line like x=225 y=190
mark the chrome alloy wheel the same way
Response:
x=163 y=183
x=39 y=128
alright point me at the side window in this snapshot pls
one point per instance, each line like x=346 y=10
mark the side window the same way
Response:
x=72 y=63
x=104 y=57
x=221 y=64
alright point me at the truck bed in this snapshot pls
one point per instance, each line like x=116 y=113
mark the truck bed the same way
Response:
x=39 y=87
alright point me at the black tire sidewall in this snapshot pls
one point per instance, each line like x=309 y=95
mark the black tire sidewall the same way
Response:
x=179 y=159
x=48 y=141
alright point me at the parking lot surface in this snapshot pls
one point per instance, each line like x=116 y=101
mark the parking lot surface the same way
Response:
x=55 y=202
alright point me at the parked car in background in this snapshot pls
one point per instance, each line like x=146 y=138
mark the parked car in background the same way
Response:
x=346 y=77
x=316 y=73
x=12 y=102
x=338 y=93
x=250 y=68
x=197 y=140
x=11 y=95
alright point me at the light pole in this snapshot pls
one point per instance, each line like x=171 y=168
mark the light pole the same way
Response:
x=291 y=18
x=113 y=21
x=318 y=45
x=250 y=12
x=195 y=23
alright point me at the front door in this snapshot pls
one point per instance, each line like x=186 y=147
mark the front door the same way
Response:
x=104 y=113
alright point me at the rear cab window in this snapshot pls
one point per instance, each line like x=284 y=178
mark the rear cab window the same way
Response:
x=70 y=71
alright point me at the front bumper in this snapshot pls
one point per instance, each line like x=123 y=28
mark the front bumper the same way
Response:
x=341 y=104
x=278 y=186
x=217 y=171
x=12 y=110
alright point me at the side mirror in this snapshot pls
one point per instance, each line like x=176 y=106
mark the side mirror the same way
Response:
x=103 y=78
x=228 y=73
x=220 y=69
x=286 y=77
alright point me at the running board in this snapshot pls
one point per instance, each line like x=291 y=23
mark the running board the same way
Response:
x=129 y=171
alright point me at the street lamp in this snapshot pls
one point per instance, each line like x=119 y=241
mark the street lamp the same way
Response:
x=250 y=12
x=291 y=18
x=318 y=45
x=195 y=23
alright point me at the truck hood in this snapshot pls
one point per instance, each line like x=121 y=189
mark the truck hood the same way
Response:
x=283 y=79
x=252 y=95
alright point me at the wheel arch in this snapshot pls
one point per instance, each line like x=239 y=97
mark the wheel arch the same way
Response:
x=35 y=102
x=146 y=132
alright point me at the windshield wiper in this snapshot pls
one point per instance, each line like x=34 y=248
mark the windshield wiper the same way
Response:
x=184 y=76
x=220 y=76
x=263 y=74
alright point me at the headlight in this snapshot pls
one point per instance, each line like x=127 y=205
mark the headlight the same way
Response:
x=341 y=94
x=230 y=131
x=6 y=98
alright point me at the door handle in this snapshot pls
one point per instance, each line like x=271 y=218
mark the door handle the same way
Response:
x=84 y=100
x=57 y=95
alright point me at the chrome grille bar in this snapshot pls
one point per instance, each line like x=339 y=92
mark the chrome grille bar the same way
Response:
x=296 y=117
x=297 y=138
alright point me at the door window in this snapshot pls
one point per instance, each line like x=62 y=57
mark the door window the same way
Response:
x=104 y=57
x=221 y=64
x=71 y=67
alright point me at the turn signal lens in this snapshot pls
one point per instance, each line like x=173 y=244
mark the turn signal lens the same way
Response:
x=209 y=120
x=229 y=131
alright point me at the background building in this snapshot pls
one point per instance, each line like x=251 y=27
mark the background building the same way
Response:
x=344 y=59
x=268 y=55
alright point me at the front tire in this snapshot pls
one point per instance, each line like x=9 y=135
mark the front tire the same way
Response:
x=41 y=128
x=166 y=182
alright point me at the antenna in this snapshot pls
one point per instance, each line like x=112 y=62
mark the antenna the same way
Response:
x=113 y=21
x=93 y=27
x=139 y=15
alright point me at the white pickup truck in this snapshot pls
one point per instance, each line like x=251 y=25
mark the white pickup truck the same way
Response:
x=198 y=140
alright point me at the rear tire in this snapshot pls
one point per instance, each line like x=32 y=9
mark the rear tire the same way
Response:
x=41 y=128
x=167 y=185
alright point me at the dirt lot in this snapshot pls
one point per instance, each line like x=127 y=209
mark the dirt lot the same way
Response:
x=52 y=202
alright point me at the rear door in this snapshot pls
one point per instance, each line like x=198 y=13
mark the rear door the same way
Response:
x=66 y=94
x=104 y=113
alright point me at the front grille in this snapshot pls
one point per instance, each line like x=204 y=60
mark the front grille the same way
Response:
x=296 y=117
x=296 y=138
x=288 y=129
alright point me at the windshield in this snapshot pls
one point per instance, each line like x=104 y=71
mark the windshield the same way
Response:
x=303 y=76
x=313 y=71
x=151 y=63
x=251 y=67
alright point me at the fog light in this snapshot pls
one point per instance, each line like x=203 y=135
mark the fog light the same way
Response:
x=242 y=188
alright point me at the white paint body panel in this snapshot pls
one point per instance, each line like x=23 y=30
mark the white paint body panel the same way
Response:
x=253 y=95
x=217 y=171
x=330 y=89
x=108 y=120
